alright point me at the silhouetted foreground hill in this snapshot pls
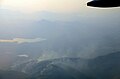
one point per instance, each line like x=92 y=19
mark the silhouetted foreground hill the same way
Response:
x=103 y=67
x=106 y=67
x=13 y=75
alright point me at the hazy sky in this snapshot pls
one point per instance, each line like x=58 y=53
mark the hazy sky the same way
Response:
x=52 y=10
x=24 y=19
x=58 y=6
x=49 y=5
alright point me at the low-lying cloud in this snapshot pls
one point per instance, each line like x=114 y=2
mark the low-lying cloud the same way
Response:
x=24 y=55
x=22 y=40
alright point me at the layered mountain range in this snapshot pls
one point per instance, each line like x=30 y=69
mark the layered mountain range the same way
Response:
x=103 y=67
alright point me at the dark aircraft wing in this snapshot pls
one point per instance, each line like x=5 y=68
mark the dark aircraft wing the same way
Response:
x=104 y=3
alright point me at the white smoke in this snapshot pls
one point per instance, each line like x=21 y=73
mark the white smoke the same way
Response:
x=24 y=55
x=22 y=40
